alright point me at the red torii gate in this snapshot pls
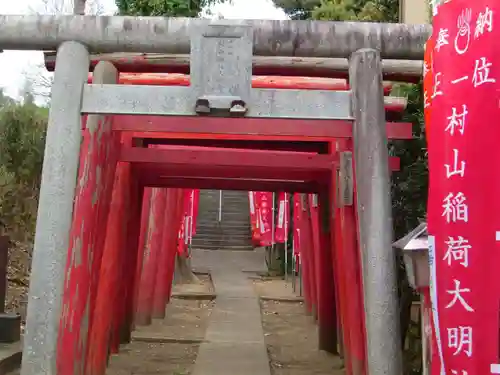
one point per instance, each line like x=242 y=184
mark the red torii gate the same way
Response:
x=219 y=105
x=213 y=161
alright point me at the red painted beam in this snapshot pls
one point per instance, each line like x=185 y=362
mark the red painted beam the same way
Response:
x=256 y=173
x=248 y=128
x=150 y=180
x=179 y=156
x=300 y=146
x=174 y=157
x=259 y=81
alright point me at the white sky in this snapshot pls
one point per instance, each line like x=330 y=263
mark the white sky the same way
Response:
x=16 y=65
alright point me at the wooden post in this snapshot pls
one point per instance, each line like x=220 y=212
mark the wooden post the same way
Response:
x=168 y=251
x=177 y=217
x=304 y=280
x=348 y=262
x=4 y=260
x=132 y=243
x=374 y=215
x=144 y=228
x=150 y=261
x=327 y=315
x=309 y=256
x=108 y=307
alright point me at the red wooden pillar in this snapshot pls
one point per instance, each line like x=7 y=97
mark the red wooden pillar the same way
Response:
x=336 y=237
x=108 y=306
x=300 y=242
x=127 y=261
x=98 y=158
x=151 y=255
x=308 y=255
x=144 y=228
x=327 y=314
x=349 y=264
x=133 y=238
x=122 y=262
x=177 y=217
x=167 y=255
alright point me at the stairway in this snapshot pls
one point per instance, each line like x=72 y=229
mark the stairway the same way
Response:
x=233 y=231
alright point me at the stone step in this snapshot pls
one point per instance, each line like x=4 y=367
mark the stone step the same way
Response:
x=216 y=246
x=234 y=229
x=242 y=238
x=227 y=225
x=223 y=248
x=223 y=235
x=212 y=244
x=226 y=241
x=215 y=211
x=223 y=225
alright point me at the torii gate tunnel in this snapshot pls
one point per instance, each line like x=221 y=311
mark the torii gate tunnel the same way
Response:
x=86 y=270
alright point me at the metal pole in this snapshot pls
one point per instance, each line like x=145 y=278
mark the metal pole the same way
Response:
x=219 y=217
x=272 y=224
x=374 y=210
x=55 y=210
x=285 y=218
x=191 y=223
x=300 y=278
x=423 y=335
x=172 y=35
x=4 y=261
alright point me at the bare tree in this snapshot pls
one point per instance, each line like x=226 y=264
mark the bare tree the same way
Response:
x=41 y=80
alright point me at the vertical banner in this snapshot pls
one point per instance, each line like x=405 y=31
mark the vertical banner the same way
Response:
x=427 y=329
x=282 y=218
x=194 y=212
x=265 y=210
x=253 y=218
x=297 y=210
x=184 y=224
x=463 y=209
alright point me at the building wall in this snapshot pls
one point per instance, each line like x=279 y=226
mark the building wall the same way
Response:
x=414 y=12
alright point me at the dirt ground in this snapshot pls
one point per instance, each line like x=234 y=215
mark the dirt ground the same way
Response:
x=291 y=336
x=186 y=320
x=275 y=288
x=18 y=279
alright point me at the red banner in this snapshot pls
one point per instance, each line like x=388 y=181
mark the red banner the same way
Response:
x=297 y=208
x=254 y=217
x=282 y=218
x=184 y=230
x=265 y=211
x=194 y=212
x=463 y=219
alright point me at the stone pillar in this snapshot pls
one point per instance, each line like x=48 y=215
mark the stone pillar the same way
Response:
x=374 y=214
x=55 y=210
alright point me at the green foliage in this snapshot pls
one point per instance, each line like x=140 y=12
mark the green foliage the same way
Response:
x=165 y=8
x=410 y=184
x=22 y=142
x=298 y=9
x=356 y=10
x=341 y=10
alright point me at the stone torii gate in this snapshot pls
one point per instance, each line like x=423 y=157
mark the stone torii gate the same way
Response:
x=221 y=55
